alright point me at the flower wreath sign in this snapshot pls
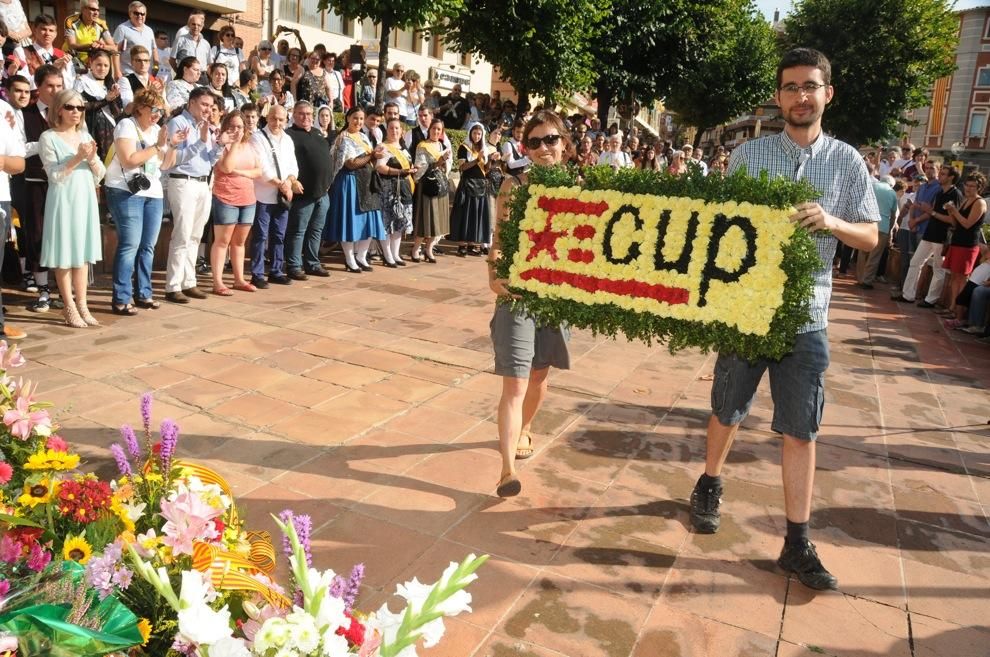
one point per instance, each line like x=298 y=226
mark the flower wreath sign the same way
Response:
x=694 y=261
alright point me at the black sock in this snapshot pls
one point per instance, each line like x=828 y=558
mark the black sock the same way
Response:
x=710 y=482
x=797 y=532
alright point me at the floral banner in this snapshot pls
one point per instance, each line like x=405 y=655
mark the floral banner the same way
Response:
x=711 y=266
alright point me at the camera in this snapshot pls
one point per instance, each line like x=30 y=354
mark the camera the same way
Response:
x=138 y=183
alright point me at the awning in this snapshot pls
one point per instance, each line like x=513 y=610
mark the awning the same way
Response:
x=216 y=6
x=647 y=127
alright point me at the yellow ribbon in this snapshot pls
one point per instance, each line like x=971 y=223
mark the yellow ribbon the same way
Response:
x=400 y=155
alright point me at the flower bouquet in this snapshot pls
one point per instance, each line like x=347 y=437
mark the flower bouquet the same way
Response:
x=709 y=262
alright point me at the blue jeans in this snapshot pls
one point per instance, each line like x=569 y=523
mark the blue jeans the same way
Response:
x=138 y=220
x=305 y=232
x=229 y=215
x=270 y=222
x=978 y=304
x=797 y=385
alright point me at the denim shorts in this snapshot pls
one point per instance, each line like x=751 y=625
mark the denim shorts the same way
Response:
x=797 y=386
x=228 y=215
x=521 y=346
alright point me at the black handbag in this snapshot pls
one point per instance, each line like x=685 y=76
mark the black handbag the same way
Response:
x=434 y=183
x=280 y=198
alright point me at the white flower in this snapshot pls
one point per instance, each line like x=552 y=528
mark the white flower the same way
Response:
x=274 y=633
x=302 y=630
x=197 y=589
x=331 y=613
x=229 y=647
x=334 y=645
x=133 y=511
x=415 y=593
x=432 y=632
x=203 y=625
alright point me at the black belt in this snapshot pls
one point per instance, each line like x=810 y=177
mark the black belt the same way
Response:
x=182 y=176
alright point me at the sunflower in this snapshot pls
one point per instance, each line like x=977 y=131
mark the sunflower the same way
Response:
x=76 y=548
x=49 y=459
x=144 y=627
x=39 y=492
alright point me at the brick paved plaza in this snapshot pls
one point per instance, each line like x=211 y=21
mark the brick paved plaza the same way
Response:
x=368 y=402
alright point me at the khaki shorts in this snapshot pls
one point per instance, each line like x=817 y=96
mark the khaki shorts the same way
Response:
x=521 y=346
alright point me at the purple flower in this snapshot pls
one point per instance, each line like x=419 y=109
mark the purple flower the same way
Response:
x=130 y=441
x=146 y=411
x=102 y=573
x=170 y=438
x=338 y=587
x=353 y=586
x=4 y=587
x=122 y=578
x=10 y=550
x=304 y=527
x=123 y=465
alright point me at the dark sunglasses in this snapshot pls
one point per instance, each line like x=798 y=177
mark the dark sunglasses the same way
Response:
x=532 y=143
x=138 y=13
x=77 y=108
x=264 y=48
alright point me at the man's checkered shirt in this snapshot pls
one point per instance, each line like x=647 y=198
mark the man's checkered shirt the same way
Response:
x=838 y=172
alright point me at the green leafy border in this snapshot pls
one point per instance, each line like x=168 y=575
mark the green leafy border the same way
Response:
x=800 y=261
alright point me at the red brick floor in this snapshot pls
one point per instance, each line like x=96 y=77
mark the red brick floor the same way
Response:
x=367 y=401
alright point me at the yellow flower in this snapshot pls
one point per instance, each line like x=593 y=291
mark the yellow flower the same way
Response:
x=49 y=459
x=153 y=476
x=39 y=492
x=76 y=548
x=144 y=627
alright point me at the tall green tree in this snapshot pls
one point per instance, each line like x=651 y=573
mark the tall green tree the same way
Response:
x=885 y=57
x=649 y=45
x=391 y=15
x=539 y=46
x=736 y=71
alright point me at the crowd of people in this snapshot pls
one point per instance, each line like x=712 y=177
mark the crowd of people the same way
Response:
x=931 y=216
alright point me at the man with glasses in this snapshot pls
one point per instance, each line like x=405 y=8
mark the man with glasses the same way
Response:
x=846 y=211
x=134 y=32
x=395 y=88
x=164 y=51
x=86 y=31
x=139 y=79
x=192 y=42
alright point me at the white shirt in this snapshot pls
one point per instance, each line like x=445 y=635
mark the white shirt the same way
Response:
x=68 y=71
x=230 y=58
x=981 y=274
x=144 y=37
x=619 y=159
x=11 y=143
x=265 y=191
x=402 y=100
x=117 y=176
x=186 y=46
x=511 y=161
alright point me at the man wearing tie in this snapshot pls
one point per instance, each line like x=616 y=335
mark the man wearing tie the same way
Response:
x=44 y=53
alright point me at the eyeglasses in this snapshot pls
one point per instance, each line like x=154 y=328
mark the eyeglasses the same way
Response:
x=808 y=88
x=264 y=48
x=74 y=108
x=156 y=111
x=141 y=14
x=533 y=143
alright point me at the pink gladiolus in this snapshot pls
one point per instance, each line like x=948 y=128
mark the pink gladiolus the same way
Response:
x=21 y=420
x=189 y=519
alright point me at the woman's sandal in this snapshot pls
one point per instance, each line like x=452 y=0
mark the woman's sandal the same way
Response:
x=509 y=486
x=524 y=450
x=222 y=292
x=245 y=287
x=125 y=309
x=148 y=304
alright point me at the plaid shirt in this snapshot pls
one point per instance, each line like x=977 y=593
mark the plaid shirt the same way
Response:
x=838 y=172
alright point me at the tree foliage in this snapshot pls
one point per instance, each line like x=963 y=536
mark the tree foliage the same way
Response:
x=885 y=56
x=649 y=45
x=393 y=14
x=735 y=73
x=540 y=46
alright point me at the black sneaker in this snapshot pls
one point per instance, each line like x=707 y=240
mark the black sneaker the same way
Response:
x=925 y=304
x=802 y=560
x=203 y=267
x=705 y=516
x=259 y=282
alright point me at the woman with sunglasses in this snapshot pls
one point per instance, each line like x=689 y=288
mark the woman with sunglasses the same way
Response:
x=227 y=53
x=71 y=240
x=262 y=63
x=134 y=192
x=524 y=350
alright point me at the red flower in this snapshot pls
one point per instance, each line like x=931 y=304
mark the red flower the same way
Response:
x=354 y=633
x=6 y=472
x=57 y=444
x=83 y=500
x=156 y=449
x=220 y=526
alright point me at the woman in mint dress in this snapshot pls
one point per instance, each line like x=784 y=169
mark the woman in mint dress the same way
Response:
x=70 y=241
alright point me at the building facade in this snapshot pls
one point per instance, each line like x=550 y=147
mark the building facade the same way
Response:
x=956 y=124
